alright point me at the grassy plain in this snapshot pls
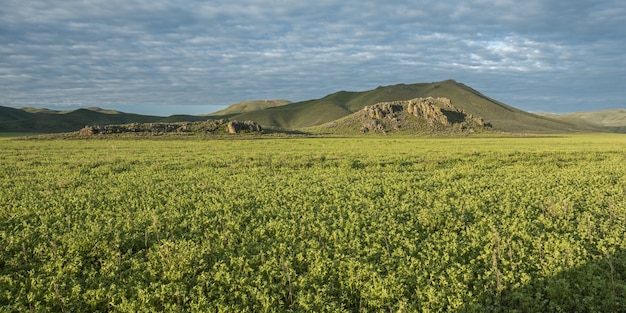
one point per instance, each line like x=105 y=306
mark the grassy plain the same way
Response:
x=314 y=224
x=4 y=135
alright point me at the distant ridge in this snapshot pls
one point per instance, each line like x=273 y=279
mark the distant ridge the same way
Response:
x=300 y=116
x=11 y=114
x=51 y=121
x=105 y=111
x=609 y=120
x=249 y=106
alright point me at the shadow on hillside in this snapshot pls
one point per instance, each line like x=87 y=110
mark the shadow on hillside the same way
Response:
x=597 y=286
x=453 y=116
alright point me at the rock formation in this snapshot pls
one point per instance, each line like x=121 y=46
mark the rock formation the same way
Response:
x=436 y=112
x=234 y=127
x=209 y=126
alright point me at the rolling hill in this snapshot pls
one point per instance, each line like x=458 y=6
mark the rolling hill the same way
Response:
x=11 y=114
x=333 y=108
x=41 y=120
x=50 y=121
x=610 y=120
x=249 y=106
x=337 y=105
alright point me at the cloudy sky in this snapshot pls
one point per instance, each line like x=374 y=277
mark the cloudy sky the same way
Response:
x=185 y=56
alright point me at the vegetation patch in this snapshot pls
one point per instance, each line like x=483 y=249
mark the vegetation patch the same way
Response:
x=319 y=225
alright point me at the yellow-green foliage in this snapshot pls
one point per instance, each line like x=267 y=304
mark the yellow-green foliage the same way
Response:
x=370 y=225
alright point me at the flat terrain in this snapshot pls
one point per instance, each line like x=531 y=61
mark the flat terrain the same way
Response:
x=322 y=225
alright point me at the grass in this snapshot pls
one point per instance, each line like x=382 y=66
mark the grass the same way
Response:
x=7 y=135
x=373 y=223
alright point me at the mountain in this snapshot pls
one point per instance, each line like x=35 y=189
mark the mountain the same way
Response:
x=50 y=121
x=337 y=105
x=415 y=116
x=249 y=106
x=333 y=108
x=610 y=120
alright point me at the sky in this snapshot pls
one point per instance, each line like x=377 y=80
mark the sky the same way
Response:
x=166 y=57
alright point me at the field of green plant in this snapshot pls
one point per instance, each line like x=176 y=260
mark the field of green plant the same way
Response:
x=314 y=225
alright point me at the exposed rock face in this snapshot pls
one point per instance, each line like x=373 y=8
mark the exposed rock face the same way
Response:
x=86 y=131
x=373 y=126
x=209 y=126
x=435 y=111
x=234 y=127
x=427 y=109
x=381 y=110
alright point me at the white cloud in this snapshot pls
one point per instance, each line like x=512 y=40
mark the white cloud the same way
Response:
x=167 y=52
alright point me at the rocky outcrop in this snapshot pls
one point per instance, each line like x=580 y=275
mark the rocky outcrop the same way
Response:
x=209 y=126
x=235 y=127
x=429 y=110
x=436 y=112
x=373 y=126
x=384 y=109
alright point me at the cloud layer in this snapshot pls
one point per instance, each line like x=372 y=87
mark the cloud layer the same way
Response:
x=172 y=56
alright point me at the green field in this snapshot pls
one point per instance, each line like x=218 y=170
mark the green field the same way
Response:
x=314 y=225
x=4 y=135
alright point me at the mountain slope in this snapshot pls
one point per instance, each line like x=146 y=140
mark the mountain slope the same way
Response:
x=332 y=107
x=501 y=116
x=611 y=120
x=65 y=121
x=329 y=108
x=415 y=116
x=50 y=121
x=249 y=106
x=11 y=114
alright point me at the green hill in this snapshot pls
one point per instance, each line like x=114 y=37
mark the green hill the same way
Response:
x=335 y=106
x=65 y=121
x=186 y=118
x=611 y=120
x=419 y=116
x=51 y=121
x=249 y=106
x=11 y=114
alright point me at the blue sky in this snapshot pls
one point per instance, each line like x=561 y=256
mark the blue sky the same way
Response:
x=181 y=56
